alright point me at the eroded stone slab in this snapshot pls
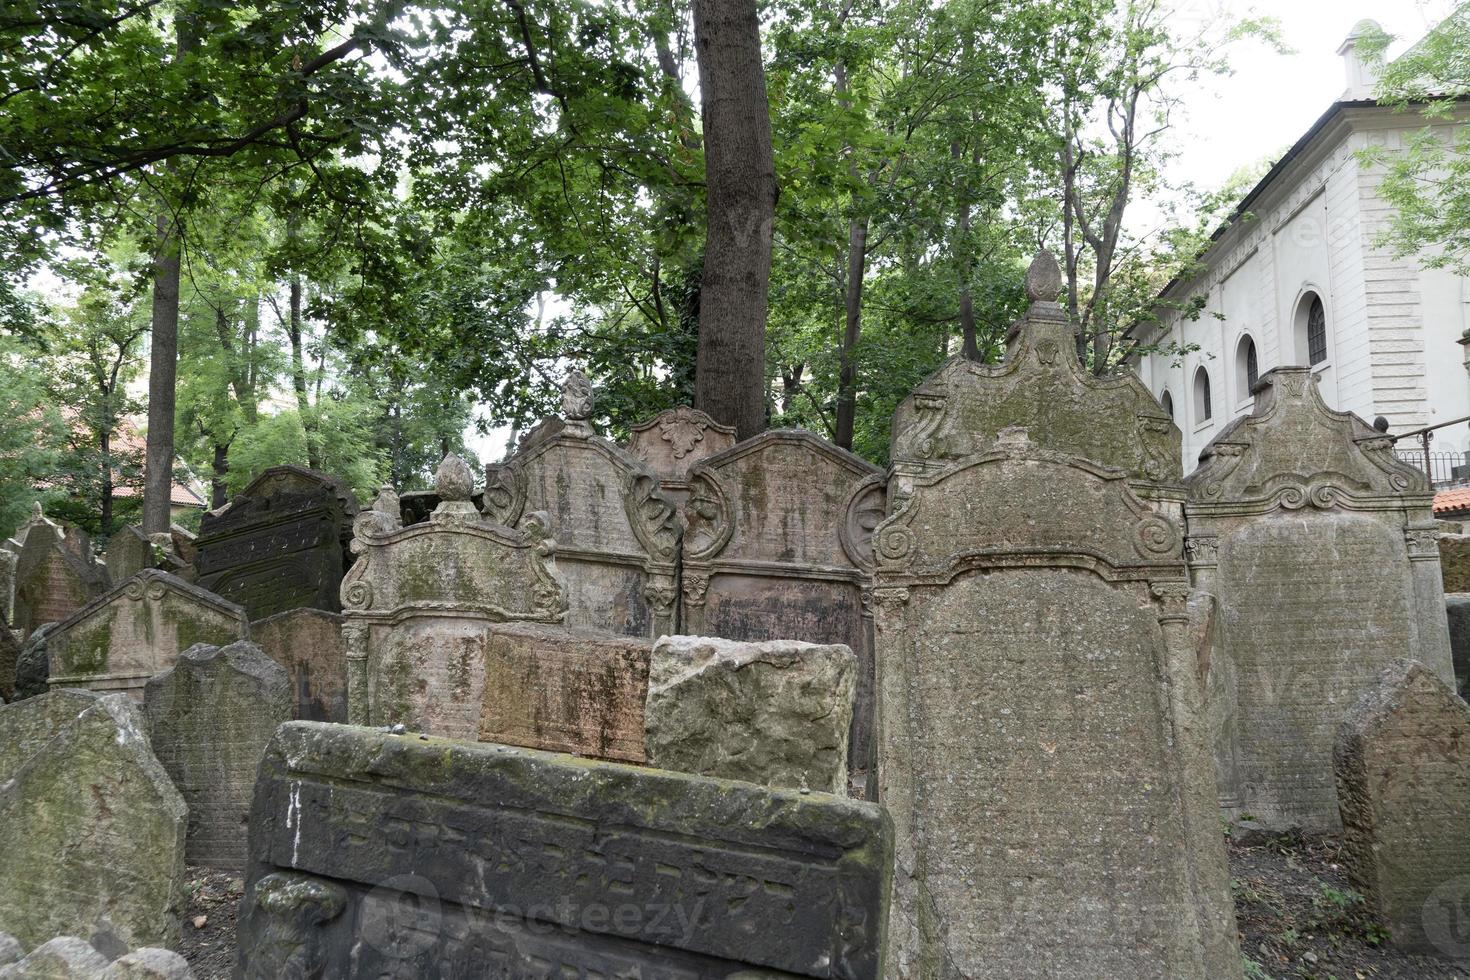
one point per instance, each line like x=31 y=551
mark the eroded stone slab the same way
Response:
x=1042 y=748
x=1454 y=561
x=211 y=716
x=101 y=853
x=128 y=552
x=1403 y=779
x=55 y=575
x=1323 y=553
x=308 y=643
x=122 y=638
x=775 y=713
x=281 y=543
x=511 y=863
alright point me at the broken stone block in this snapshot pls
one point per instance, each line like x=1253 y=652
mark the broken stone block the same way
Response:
x=308 y=643
x=119 y=640
x=380 y=855
x=62 y=958
x=102 y=850
x=775 y=713
x=211 y=716
x=149 y=964
x=1403 y=781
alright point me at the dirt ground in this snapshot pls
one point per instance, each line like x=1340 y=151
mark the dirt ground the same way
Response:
x=1299 y=919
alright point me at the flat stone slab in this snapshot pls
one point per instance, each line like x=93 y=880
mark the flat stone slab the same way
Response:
x=381 y=855
x=1403 y=781
x=775 y=713
x=309 y=644
x=96 y=847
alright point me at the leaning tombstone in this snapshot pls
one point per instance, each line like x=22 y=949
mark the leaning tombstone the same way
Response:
x=419 y=600
x=775 y=713
x=673 y=441
x=308 y=643
x=210 y=717
x=779 y=545
x=617 y=534
x=128 y=552
x=119 y=640
x=1323 y=553
x=98 y=843
x=1403 y=781
x=55 y=575
x=380 y=855
x=280 y=544
x=1037 y=680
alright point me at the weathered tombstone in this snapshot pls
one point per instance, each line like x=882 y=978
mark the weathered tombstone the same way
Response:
x=280 y=544
x=210 y=717
x=962 y=407
x=1041 y=749
x=119 y=640
x=560 y=689
x=8 y=559
x=9 y=661
x=183 y=543
x=32 y=665
x=776 y=713
x=128 y=552
x=1321 y=549
x=381 y=855
x=419 y=599
x=1454 y=561
x=617 y=535
x=1457 y=609
x=674 y=440
x=308 y=643
x=97 y=848
x=779 y=546
x=55 y=575
x=1403 y=780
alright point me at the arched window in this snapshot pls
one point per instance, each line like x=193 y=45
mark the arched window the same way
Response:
x=1202 y=409
x=1167 y=400
x=1247 y=367
x=1316 y=332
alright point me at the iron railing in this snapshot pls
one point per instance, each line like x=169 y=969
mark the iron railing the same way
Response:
x=1443 y=469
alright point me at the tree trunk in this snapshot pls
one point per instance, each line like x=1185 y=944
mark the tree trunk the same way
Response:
x=740 y=177
x=852 y=301
x=298 y=377
x=791 y=386
x=104 y=443
x=971 y=347
x=162 y=371
x=219 y=494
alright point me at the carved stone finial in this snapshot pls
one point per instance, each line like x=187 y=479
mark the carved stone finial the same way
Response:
x=454 y=481
x=37 y=514
x=577 y=398
x=387 y=501
x=1043 y=279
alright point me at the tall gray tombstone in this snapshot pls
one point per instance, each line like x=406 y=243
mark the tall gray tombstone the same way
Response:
x=128 y=552
x=1322 y=553
x=55 y=574
x=1041 y=744
x=210 y=717
x=376 y=855
x=617 y=534
x=673 y=441
x=778 y=546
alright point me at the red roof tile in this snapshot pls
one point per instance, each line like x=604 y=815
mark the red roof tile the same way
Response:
x=1452 y=500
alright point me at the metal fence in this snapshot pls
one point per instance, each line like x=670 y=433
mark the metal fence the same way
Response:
x=1445 y=469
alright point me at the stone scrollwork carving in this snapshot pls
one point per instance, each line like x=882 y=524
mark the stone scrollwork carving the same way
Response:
x=578 y=400
x=547 y=592
x=866 y=509
x=1158 y=537
x=707 y=517
x=357 y=596
x=653 y=516
x=683 y=430
x=1423 y=542
x=696 y=588
x=1203 y=550
x=893 y=543
x=505 y=494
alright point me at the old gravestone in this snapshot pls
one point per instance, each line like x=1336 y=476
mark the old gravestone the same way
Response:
x=617 y=535
x=383 y=855
x=9 y=555
x=1454 y=561
x=776 y=713
x=1457 y=609
x=9 y=661
x=1321 y=550
x=1403 y=778
x=308 y=643
x=674 y=440
x=119 y=640
x=128 y=552
x=210 y=717
x=779 y=546
x=280 y=544
x=97 y=843
x=1041 y=746
x=55 y=575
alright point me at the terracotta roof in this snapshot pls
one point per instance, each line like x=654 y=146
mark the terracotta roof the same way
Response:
x=1452 y=501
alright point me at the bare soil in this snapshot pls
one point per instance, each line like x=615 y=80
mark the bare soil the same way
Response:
x=1299 y=919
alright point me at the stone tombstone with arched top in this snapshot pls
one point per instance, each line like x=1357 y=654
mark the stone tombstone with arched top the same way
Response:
x=673 y=441
x=1115 y=420
x=1321 y=552
x=778 y=546
x=617 y=534
x=1041 y=745
x=420 y=602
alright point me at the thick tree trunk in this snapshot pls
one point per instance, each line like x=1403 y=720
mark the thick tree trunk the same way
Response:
x=104 y=443
x=162 y=371
x=219 y=494
x=971 y=347
x=298 y=377
x=741 y=181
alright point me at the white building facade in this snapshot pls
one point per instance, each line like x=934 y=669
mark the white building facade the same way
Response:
x=1297 y=279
